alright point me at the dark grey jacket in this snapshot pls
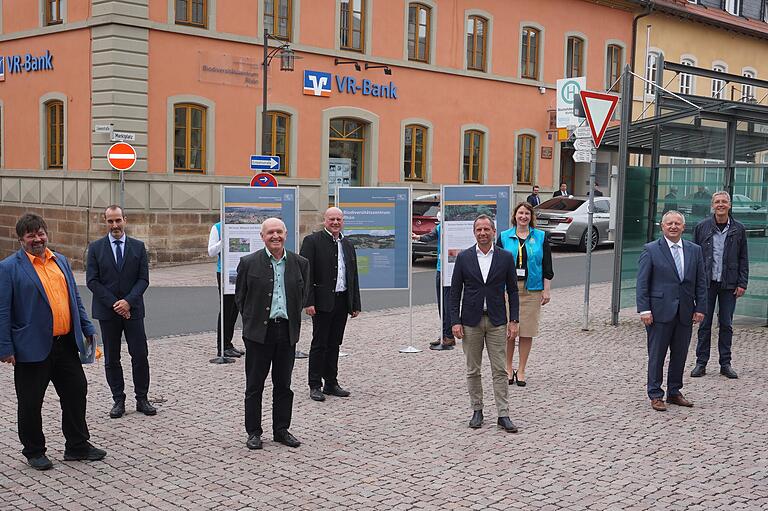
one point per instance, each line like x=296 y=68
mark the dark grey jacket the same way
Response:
x=735 y=261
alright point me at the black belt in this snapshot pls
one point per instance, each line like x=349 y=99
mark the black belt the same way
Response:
x=339 y=293
x=60 y=337
x=278 y=320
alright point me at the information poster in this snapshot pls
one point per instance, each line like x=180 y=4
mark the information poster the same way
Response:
x=339 y=174
x=243 y=210
x=461 y=205
x=378 y=223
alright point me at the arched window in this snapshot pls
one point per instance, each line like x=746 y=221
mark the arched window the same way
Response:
x=414 y=152
x=54 y=139
x=526 y=148
x=747 y=90
x=718 y=85
x=278 y=17
x=574 y=58
x=686 y=79
x=277 y=138
x=651 y=67
x=189 y=138
x=419 y=27
x=477 y=31
x=529 y=59
x=473 y=156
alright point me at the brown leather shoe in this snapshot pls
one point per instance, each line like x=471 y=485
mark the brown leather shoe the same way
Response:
x=679 y=400
x=449 y=341
x=658 y=405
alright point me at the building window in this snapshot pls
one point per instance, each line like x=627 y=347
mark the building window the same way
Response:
x=526 y=147
x=686 y=79
x=192 y=12
x=53 y=12
x=529 y=61
x=189 y=138
x=574 y=59
x=473 y=155
x=277 y=138
x=477 y=30
x=277 y=18
x=718 y=85
x=54 y=140
x=414 y=152
x=419 y=26
x=733 y=7
x=747 y=91
x=613 y=60
x=651 y=68
x=352 y=25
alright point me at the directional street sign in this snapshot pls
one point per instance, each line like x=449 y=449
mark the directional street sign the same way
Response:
x=121 y=156
x=582 y=156
x=121 y=136
x=265 y=162
x=102 y=128
x=583 y=144
x=583 y=132
x=599 y=109
x=263 y=179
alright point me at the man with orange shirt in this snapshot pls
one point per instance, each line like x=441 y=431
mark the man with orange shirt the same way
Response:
x=45 y=334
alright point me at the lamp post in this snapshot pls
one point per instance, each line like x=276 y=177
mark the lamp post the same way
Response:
x=287 y=58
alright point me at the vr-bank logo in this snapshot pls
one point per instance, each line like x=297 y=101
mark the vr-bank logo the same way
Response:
x=317 y=83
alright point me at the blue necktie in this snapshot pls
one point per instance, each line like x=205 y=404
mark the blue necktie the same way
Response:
x=678 y=260
x=119 y=253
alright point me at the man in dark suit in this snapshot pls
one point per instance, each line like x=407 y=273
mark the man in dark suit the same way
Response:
x=533 y=199
x=562 y=192
x=43 y=328
x=334 y=295
x=671 y=296
x=271 y=288
x=118 y=274
x=480 y=276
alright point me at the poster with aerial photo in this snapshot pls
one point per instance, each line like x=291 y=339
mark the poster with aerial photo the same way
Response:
x=377 y=222
x=461 y=206
x=243 y=211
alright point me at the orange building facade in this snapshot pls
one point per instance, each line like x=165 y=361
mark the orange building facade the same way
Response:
x=469 y=99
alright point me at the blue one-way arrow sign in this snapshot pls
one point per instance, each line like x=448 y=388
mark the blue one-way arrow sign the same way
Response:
x=265 y=162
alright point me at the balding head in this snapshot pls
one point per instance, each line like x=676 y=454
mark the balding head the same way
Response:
x=333 y=221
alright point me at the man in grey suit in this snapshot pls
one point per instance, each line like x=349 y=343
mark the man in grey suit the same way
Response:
x=271 y=288
x=671 y=296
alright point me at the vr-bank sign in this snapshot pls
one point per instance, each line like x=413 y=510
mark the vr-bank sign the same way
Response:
x=317 y=83
x=15 y=64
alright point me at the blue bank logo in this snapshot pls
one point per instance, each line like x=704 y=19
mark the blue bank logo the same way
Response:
x=317 y=83
x=2 y=69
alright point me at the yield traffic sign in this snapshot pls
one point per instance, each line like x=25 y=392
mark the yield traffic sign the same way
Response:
x=599 y=109
x=263 y=179
x=121 y=156
x=265 y=162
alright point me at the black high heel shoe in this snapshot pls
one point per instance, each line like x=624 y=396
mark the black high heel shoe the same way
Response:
x=520 y=383
x=514 y=378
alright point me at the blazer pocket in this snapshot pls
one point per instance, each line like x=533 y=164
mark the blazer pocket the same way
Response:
x=656 y=294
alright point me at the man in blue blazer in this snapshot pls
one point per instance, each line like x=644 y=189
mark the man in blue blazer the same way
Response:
x=671 y=296
x=45 y=333
x=118 y=274
x=481 y=275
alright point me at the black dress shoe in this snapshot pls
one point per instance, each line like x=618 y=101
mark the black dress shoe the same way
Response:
x=440 y=347
x=728 y=372
x=335 y=390
x=506 y=424
x=287 y=439
x=435 y=343
x=118 y=409
x=698 y=371
x=242 y=352
x=477 y=419
x=232 y=353
x=143 y=406
x=254 y=442
x=316 y=395
x=40 y=462
x=90 y=454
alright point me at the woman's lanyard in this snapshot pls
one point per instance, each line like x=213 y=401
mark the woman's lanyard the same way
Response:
x=520 y=247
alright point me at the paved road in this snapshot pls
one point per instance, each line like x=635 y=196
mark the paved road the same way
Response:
x=185 y=310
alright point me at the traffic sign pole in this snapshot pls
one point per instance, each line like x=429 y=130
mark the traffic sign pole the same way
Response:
x=590 y=227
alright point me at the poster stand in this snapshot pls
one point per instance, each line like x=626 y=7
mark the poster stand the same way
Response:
x=221 y=359
x=410 y=348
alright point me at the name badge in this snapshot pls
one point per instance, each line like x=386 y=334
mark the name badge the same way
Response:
x=521 y=272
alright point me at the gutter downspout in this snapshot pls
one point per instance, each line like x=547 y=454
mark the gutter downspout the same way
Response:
x=648 y=9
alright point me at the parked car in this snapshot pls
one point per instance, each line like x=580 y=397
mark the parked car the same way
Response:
x=565 y=220
x=752 y=214
x=424 y=218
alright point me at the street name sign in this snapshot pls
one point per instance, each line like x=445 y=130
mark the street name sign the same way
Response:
x=599 y=108
x=102 y=128
x=121 y=136
x=265 y=162
x=121 y=156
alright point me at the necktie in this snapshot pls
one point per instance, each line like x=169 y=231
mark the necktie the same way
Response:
x=678 y=260
x=119 y=253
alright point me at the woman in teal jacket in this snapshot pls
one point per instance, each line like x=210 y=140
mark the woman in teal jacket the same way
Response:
x=533 y=258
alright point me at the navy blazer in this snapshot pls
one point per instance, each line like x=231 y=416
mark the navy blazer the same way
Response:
x=467 y=280
x=26 y=320
x=108 y=284
x=659 y=288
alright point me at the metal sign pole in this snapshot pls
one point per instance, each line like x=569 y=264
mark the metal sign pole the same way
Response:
x=221 y=359
x=122 y=190
x=592 y=171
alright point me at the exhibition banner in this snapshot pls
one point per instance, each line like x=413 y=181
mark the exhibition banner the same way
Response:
x=243 y=210
x=378 y=223
x=461 y=205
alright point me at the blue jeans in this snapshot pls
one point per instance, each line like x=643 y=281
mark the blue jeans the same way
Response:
x=727 y=301
x=445 y=301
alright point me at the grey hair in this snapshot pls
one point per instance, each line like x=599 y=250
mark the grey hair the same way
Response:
x=672 y=212
x=285 y=229
x=483 y=216
x=721 y=192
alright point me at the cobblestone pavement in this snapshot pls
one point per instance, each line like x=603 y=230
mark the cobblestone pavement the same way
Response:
x=588 y=437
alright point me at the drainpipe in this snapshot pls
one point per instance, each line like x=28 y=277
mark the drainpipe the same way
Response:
x=648 y=9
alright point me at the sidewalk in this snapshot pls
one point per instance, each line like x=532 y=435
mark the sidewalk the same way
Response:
x=588 y=437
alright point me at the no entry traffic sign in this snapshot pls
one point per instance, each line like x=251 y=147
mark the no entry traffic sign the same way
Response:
x=121 y=156
x=263 y=179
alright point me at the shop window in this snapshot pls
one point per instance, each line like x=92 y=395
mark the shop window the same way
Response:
x=278 y=17
x=613 y=60
x=192 y=12
x=529 y=60
x=189 y=138
x=414 y=152
x=526 y=147
x=54 y=140
x=419 y=27
x=477 y=30
x=473 y=156
x=574 y=59
x=53 y=12
x=686 y=80
x=352 y=26
x=277 y=138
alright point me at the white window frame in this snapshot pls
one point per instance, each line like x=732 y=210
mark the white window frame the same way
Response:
x=651 y=70
x=718 y=86
x=686 y=79
x=747 y=91
x=732 y=7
